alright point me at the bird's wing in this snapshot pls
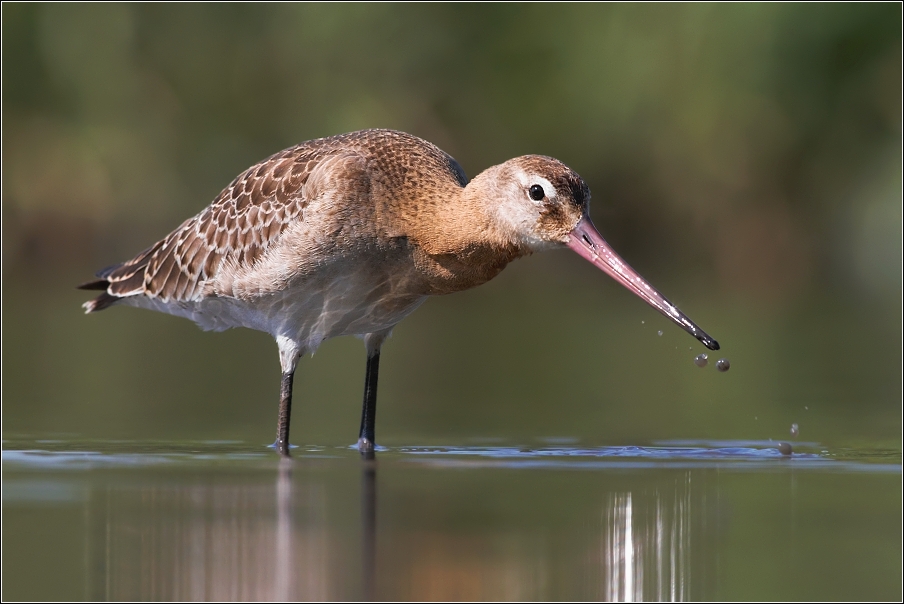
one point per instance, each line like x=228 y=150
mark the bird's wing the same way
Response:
x=245 y=219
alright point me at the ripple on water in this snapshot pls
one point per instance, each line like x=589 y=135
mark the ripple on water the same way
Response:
x=552 y=453
x=736 y=455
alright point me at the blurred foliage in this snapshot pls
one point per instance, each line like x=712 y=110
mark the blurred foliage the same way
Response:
x=749 y=152
x=763 y=140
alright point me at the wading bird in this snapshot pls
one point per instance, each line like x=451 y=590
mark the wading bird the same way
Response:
x=347 y=235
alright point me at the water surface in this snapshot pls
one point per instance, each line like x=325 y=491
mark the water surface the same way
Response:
x=677 y=520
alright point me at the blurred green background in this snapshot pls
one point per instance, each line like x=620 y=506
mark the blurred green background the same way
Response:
x=746 y=159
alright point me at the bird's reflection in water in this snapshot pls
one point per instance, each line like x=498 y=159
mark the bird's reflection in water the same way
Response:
x=211 y=542
x=287 y=568
x=309 y=531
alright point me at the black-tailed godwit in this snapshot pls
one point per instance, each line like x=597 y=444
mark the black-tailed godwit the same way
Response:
x=347 y=235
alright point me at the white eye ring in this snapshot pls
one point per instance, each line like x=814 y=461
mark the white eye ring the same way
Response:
x=529 y=180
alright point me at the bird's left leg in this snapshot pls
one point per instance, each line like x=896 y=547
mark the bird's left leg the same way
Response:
x=373 y=342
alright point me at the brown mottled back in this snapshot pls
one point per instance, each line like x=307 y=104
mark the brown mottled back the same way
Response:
x=250 y=214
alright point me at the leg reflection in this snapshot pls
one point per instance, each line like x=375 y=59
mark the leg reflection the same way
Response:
x=284 y=555
x=369 y=524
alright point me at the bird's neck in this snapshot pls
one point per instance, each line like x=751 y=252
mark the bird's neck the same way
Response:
x=459 y=244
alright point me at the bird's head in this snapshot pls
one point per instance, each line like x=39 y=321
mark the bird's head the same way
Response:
x=536 y=201
x=539 y=203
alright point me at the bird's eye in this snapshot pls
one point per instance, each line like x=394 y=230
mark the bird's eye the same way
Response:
x=536 y=192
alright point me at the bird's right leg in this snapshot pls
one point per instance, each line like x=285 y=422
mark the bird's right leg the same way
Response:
x=289 y=352
x=366 y=438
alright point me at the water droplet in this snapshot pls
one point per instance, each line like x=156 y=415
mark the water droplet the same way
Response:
x=723 y=364
x=659 y=333
x=701 y=360
x=784 y=448
x=795 y=430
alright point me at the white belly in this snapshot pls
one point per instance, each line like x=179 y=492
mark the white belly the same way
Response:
x=322 y=307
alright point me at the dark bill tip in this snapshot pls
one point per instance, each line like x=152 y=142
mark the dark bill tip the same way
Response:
x=708 y=342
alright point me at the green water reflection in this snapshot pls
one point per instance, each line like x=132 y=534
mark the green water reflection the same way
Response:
x=201 y=521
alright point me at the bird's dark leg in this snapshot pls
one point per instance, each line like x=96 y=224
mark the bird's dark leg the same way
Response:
x=289 y=351
x=366 y=439
x=369 y=409
x=285 y=413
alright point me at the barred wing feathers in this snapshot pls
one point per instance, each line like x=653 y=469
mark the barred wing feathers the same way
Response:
x=242 y=222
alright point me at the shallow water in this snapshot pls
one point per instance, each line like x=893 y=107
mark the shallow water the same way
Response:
x=541 y=442
x=550 y=519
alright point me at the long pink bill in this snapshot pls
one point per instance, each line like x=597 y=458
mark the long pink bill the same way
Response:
x=586 y=241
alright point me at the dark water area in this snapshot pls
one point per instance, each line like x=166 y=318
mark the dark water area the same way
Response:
x=668 y=521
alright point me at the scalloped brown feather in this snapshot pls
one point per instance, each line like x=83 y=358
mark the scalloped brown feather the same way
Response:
x=249 y=216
